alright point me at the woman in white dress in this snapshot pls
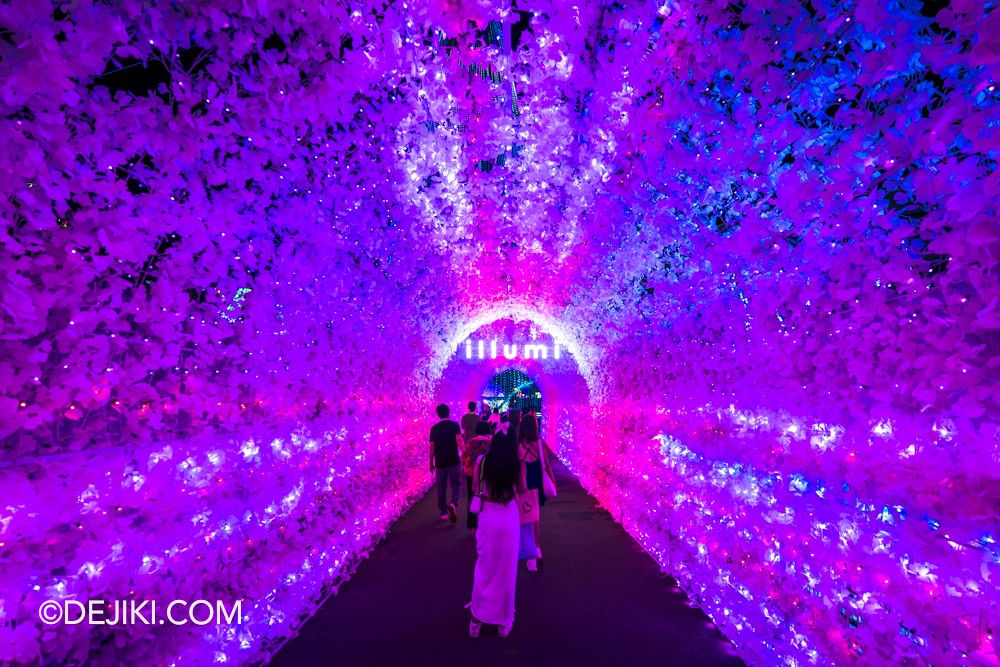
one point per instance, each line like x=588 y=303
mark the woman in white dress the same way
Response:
x=498 y=536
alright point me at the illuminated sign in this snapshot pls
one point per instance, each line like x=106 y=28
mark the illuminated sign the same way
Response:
x=482 y=349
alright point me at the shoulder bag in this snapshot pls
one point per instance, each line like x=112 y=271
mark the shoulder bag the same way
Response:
x=476 y=504
x=548 y=483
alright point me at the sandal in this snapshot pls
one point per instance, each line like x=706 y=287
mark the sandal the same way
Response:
x=505 y=629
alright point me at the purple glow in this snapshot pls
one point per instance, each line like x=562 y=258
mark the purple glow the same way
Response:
x=245 y=242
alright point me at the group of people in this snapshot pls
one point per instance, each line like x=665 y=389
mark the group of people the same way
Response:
x=504 y=461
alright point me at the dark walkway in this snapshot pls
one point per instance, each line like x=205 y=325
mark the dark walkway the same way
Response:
x=598 y=600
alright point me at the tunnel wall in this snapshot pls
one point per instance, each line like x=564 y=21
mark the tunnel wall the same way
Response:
x=765 y=215
x=821 y=555
x=201 y=393
x=275 y=520
x=807 y=428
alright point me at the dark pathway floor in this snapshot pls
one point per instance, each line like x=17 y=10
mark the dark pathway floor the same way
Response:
x=599 y=599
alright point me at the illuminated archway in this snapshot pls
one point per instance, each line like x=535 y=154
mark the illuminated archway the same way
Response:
x=563 y=382
x=585 y=357
x=513 y=389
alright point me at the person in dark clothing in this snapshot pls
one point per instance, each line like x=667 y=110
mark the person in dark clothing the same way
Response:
x=487 y=418
x=469 y=421
x=446 y=442
x=514 y=417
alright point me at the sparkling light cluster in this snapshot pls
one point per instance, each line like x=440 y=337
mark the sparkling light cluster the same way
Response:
x=806 y=566
x=276 y=520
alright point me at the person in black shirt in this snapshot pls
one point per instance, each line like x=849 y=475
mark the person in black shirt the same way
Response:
x=446 y=441
x=469 y=421
x=514 y=417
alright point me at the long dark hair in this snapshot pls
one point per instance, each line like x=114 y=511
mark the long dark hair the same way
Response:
x=501 y=469
x=528 y=429
x=514 y=419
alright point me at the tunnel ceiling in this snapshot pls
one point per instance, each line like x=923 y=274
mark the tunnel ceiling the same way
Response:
x=192 y=185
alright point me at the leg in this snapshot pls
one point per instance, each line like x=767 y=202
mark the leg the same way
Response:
x=442 y=481
x=455 y=475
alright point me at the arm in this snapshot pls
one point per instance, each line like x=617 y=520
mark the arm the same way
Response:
x=522 y=482
x=460 y=442
x=432 y=455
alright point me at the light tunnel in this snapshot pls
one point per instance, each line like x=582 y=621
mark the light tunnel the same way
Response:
x=748 y=251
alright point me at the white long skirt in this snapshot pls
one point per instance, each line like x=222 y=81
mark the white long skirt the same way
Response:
x=495 y=579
